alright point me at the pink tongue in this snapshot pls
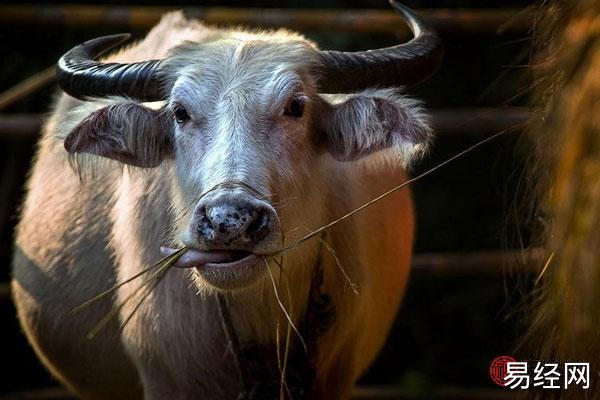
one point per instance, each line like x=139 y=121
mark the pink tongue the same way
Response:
x=195 y=258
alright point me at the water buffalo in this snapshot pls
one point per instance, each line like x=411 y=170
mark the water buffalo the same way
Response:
x=234 y=144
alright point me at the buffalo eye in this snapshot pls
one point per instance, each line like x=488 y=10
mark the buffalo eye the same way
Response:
x=181 y=114
x=294 y=108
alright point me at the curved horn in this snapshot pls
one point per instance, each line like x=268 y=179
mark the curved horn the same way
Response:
x=81 y=77
x=399 y=65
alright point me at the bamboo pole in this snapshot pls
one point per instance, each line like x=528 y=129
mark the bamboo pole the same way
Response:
x=52 y=393
x=487 y=262
x=446 y=393
x=26 y=87
x=20 y=126
x=492 y=21
x=479 y=121
x=494 y=262
x=360 y=393
x=4 y=291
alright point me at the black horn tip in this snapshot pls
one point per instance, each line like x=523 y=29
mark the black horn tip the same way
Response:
x=98 y=46
x=414 y=21
x=401 y=65
x=398 y=6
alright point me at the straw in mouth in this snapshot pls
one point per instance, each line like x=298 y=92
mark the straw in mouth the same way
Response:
x=198 y=258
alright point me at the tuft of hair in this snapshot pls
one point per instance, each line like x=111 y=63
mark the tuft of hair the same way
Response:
x=409 y=118
x=264 y=51
x=86 y=166
x=89 y=165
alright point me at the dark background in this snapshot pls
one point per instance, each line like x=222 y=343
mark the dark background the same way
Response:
x=453 y=322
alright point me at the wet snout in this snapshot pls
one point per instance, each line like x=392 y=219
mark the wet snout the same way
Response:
x=236 y=220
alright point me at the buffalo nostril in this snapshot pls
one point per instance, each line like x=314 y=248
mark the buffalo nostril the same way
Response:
x=205 y=227
x=259 y=228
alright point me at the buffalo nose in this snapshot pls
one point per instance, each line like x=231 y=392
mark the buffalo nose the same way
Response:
x=229 y=222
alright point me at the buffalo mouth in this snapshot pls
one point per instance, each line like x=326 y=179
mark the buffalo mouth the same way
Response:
x=222 y=269
x=211 y=259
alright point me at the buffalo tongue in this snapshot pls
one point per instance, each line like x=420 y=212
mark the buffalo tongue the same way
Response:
x=196 y=258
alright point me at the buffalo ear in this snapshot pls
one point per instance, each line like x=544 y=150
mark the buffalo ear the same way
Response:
x=354 y=126
x=126 y=132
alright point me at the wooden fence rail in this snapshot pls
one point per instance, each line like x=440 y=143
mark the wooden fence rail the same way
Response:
x=491 y=21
